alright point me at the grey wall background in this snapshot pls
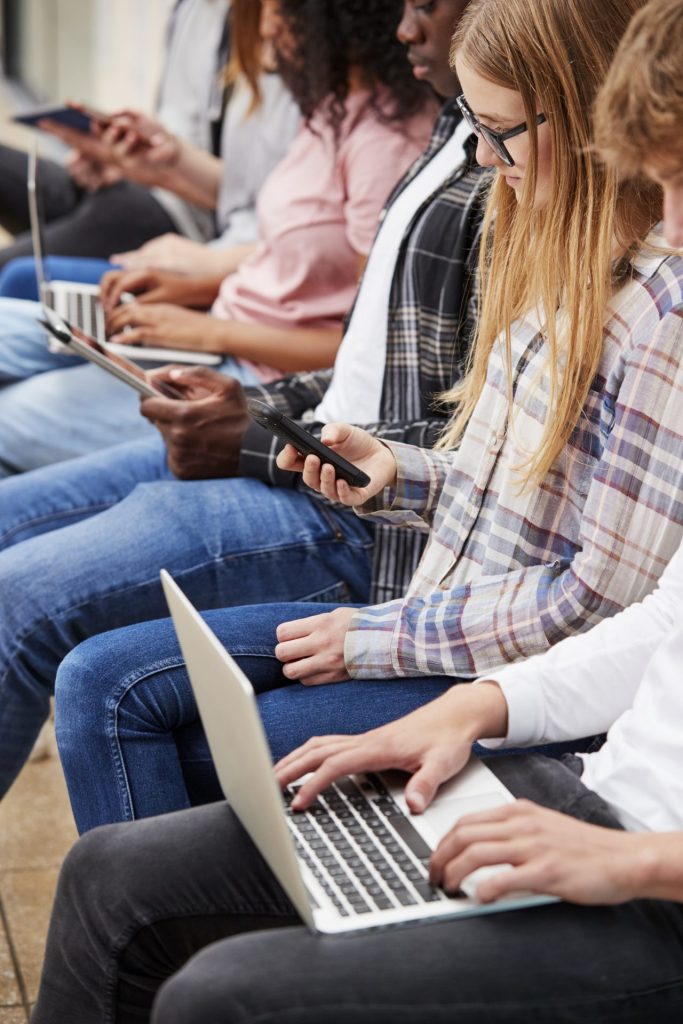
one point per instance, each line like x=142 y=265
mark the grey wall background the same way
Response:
x=104 y=52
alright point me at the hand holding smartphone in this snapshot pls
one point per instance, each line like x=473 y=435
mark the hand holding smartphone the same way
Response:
x=304 y=442
x=78 y=119
x=81 y=344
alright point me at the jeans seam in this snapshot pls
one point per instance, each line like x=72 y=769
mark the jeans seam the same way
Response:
x=123 y=940
x=610 y=1003
x=35 y=625
x=111 y=721
x=56 y=516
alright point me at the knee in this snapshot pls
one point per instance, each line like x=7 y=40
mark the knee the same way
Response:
x=97 y=676
x=18 y=279
x=84 y=680
x=85 y=876
x=226 y=981
x=209 y=987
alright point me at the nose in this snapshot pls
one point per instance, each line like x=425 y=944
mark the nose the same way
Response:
x=269 y=20
x=409 y=31
x=673 y=215
x=486 y=156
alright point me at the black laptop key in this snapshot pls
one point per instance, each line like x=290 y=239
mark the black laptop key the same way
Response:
x=395 y=883
x=354 y=862
x=382 y=902
x=405 y=898
x=428 y=892
x=347 y=787
x=374 y=889
x=411 y=837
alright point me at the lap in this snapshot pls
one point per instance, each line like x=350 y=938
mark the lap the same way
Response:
x=18 y=277
x=550 y=964
x=24 y=343
x=65 y=413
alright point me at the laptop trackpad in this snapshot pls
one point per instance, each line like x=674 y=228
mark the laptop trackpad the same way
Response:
x=442 y=815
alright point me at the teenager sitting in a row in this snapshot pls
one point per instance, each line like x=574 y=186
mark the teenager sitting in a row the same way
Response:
x=282 y=309
x=89 y=207
x=256 y=120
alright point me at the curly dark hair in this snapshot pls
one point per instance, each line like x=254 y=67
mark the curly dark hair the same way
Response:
x=332 y=36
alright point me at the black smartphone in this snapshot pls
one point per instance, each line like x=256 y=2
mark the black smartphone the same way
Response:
x=82 y=344
x=289 y=431
x=80 y=119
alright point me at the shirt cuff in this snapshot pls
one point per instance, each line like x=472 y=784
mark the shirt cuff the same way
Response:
x=369 y=642
x=523 y=694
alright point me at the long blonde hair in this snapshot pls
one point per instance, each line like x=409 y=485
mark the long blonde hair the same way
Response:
x=555 y=53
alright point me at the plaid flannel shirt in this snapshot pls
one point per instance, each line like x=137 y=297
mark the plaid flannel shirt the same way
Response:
x=429 y=327
x=507 y=572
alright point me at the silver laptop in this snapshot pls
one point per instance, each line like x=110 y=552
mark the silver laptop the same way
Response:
x=79 y=304
x=357 y=859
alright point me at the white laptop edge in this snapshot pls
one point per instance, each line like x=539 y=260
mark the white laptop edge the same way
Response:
x=235 y=734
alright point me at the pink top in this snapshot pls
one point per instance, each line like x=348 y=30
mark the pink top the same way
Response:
x=318 y=211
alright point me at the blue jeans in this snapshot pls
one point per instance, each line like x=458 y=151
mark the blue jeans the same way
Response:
x=81 y=545
x=18 y=277
x=129 y=736
x=55 y=407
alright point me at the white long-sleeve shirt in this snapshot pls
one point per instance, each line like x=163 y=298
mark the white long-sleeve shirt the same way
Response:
x=624 y=676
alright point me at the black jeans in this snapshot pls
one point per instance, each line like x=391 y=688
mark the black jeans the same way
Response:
x=77 y=223
x=186 y=897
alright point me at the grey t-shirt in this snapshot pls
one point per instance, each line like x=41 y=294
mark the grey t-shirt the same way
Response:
x=251 y=146
x=187 y=96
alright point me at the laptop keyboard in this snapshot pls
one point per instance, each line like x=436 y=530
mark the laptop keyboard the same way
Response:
x=363 y=850
x=82 y=309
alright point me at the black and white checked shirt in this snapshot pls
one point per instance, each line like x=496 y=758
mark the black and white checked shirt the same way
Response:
x=429 y=328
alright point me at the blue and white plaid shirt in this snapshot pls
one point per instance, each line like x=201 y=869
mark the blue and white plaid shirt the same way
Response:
x=508 y=572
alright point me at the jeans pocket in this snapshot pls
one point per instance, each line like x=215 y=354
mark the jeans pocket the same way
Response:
x=333 y=593
x=345 y=525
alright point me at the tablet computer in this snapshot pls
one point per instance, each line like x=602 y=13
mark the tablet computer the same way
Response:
x=83 y=345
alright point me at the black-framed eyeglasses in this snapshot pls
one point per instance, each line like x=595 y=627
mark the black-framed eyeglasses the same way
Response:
x=496 y=140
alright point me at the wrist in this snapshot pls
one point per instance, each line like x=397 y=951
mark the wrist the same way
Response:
x=217 y=335
x=480 y=712
x=652 y=866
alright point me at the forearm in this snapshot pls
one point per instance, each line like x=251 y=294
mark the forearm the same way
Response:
x=654 y=869
x=195 y=176
x=474 y=711
x=584 y=683
x=223 y=262
x=421 y=478
x=198 y=292
x=288 y=349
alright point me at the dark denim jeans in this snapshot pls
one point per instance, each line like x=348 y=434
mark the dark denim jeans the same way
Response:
x=228 y=542
x=128 y=731
x=186 y=897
